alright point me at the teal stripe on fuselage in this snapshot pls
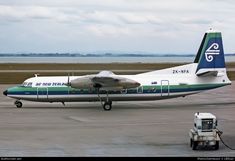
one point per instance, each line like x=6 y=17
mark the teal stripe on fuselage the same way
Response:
x=143 y=89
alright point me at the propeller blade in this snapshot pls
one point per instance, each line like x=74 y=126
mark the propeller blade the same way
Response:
x=68 y=82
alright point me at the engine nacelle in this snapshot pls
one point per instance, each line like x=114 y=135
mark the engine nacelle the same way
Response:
x=128 y=83
x=81 y=83
x=96 y=81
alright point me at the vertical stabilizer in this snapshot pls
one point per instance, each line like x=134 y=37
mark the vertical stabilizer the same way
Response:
x=210 y=56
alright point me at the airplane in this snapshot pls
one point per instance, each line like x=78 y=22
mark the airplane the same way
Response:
x=207 y=72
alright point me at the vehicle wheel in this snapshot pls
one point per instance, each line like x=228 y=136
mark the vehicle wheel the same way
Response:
x=194 y=145
x=217 y=145
x=107 y=106
x=18 y=104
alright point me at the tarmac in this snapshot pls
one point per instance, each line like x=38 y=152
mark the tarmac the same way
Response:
x=150 y=129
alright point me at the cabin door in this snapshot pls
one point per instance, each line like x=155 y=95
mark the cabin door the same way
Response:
x=42 y=93
x=165 y=88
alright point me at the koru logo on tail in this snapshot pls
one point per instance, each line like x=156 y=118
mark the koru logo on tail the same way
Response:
x=212 y=50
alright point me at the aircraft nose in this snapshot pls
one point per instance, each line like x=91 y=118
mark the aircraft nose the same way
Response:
x=5 y=92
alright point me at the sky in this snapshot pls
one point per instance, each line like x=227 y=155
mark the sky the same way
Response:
x=151 y=26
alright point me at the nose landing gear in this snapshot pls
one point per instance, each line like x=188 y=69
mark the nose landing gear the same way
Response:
x=18 y=104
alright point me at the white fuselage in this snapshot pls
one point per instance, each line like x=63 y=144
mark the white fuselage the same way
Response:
x=155 y=85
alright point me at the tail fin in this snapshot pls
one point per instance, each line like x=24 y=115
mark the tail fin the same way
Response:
x=210 y=56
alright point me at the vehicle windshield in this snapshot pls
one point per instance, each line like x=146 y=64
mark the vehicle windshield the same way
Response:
x=207 y=124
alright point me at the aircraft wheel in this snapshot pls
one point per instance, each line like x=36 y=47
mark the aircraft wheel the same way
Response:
x=191 y=142
x=107 y=106
x=216 y=145
x=194 y=145
x=18 y=104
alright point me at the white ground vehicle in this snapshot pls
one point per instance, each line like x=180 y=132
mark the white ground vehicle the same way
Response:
x=205 y=132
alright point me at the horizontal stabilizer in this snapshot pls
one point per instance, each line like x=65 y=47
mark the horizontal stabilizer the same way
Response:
x=208 y=73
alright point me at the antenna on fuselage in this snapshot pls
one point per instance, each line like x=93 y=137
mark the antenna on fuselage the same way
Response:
x=36 y=75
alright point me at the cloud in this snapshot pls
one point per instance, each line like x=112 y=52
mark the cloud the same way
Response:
x=21 y=13
x=139 y=18
x=92 y=21
x=111 y=30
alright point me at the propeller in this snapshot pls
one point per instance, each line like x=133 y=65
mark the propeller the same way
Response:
x=68 y=82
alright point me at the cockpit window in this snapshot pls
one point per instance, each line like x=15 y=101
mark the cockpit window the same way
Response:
x=26 y=84
x=23 y=84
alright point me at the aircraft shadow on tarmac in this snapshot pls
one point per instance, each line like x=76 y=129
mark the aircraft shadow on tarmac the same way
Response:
x=123 y=106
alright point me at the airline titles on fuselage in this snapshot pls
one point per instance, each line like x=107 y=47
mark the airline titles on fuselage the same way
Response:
x=44 y=84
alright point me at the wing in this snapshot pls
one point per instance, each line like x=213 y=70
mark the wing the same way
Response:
x=104 y=80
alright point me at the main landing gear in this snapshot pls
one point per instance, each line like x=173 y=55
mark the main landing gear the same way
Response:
x=107 y=104
x=18 y=104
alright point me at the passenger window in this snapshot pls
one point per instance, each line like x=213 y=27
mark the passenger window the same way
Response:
x=124 y=91
x=154 y=90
